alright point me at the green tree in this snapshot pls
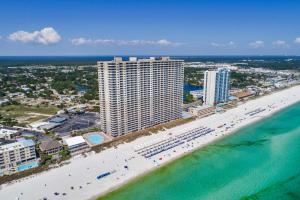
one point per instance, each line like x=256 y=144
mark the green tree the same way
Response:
x=188 y=97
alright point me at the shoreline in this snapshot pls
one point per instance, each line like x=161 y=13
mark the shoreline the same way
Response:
x=82 y=171
x=138 y=177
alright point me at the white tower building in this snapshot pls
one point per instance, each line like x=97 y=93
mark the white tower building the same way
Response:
x=139 y=93
x=216 y=86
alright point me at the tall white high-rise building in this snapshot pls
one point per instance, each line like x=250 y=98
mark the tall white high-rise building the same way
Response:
x=139 y=93
x=216 y=86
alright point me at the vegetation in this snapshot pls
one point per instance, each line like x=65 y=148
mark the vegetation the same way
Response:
x=193 y=75
x=275 y=64
x=21 y=110
x=66 y=83
x=188 y=97
x=45 y=159
x=43 y=82
x=64 y=153
x=7 y=121
x=241 y=80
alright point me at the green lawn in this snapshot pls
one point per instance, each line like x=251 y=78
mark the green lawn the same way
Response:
x=23 y=110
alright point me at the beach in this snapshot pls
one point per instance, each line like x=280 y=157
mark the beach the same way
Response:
x=78 y=179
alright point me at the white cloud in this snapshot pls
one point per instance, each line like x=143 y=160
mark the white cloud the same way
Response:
x=45 y=36
x=257 y=44
x=86 y=41
x=297 y=40
x=280 y=43
x=214 y=44
x=103 y=41
x=80 y=41
x=229 y=44
x=0 y=37
x=164 y=42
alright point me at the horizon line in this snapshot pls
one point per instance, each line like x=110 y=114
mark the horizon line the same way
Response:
x=137 y=55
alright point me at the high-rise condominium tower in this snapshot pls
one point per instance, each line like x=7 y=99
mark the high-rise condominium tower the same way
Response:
x=139 y=93
x=216 y=86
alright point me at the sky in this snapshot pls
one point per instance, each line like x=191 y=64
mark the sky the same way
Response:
x=149 y=27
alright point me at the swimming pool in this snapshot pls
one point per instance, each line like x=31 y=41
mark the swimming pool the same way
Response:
x=95 y=138
x=27 y=166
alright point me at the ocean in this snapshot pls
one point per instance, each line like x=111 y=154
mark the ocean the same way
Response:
x=9 y=61
x=261 y=161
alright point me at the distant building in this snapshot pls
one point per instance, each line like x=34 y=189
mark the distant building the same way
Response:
x=57 y=119
x=243 y=94
x=8 y=133
x=197 y=94
x=139 y=93
x=216 y=86
x=25 y=88
x=76 y=109
x=3 y=101
x=16 y=95
x=76 y=144
x=17 y=155
x=51 y=147
x=43 y=126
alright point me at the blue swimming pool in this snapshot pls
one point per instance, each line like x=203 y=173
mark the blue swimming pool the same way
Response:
x=95 y=138
x=27 y=166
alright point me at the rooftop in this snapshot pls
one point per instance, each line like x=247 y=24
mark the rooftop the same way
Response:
x=74 y=140
x=242 y=94
x=7 y=131
x=48 y=145
x=135 y=59
x=25 y=142
x=9 y=145
x=48 y=126
x=57 y=119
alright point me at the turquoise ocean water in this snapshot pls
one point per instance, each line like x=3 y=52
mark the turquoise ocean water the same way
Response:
x=261 y=161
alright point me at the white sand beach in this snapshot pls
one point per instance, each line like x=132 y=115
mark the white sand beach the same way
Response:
x=78 y=180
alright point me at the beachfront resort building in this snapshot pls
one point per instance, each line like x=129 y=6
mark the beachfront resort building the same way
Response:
x=216 y=86
x=76 y=144
x=51 y=147
x=17 y=155
x=139 y=93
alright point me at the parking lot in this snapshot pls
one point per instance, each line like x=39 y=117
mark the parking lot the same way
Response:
x=77 y=122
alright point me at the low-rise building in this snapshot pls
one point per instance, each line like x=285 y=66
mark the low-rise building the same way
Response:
x=51 y=147
x=17 y=155
x=25 y=88
x=43 y=126
x=3 y=101
x=197 y=94
x=16 y=95
x=58 y=119
x=8 y=133
x=76 y=109
x=243 y=94
x=76 y=144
